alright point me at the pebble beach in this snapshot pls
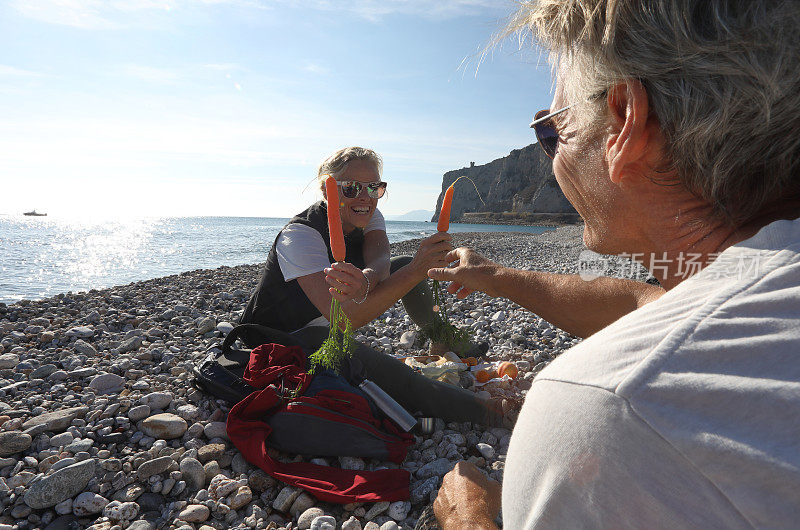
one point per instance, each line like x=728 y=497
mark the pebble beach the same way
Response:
x=101 y=426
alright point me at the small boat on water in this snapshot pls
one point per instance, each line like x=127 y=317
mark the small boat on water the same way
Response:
x=34 y=213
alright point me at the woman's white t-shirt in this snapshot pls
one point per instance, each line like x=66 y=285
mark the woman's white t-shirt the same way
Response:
x=302 y=251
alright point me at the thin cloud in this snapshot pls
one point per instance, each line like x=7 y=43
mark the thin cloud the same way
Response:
x=117 y=14
x=114 y=14
x=222 y=67
x=150 y=74
x=317 y=69
x=84 y=14
x=12 y=71
x=376 y=10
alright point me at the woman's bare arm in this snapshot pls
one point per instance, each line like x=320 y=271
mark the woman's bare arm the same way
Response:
x=377 y=257
x=346 y=282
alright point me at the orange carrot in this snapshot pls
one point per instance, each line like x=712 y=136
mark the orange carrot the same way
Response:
x=444 y=213
x=334 y=220
x=447 y=203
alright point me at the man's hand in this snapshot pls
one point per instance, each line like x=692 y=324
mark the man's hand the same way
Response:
x=472 y=273
x=467 y=499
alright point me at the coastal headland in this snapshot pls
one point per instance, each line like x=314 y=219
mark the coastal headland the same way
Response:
x=98 y=386
x=519 y=188
x=521 y=218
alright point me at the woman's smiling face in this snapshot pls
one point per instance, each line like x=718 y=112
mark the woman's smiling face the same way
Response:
x=357 y=212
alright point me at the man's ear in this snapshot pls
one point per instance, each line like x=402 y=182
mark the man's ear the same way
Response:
x=628 y=142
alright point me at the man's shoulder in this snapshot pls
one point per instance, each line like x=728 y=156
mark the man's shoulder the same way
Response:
x=704 y=379
x=580 y=457
x=713 y=372
x=613 y=354
x=749 y=296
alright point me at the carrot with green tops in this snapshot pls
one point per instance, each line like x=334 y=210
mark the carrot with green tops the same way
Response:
x=440 y=329
x=444 y=213
x=339 y=343
x=338 y=248
x=440 y=322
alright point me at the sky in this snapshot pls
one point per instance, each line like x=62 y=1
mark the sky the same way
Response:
x=226 y=107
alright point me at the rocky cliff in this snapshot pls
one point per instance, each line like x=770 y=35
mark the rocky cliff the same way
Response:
x=521 y=183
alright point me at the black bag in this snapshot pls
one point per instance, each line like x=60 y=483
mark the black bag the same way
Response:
x=220 y=374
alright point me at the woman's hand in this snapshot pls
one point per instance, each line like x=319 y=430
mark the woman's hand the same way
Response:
x=467 y=499
x=347 y=282
x=432 y=252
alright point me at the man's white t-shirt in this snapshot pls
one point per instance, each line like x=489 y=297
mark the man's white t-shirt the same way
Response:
x=301 y=251
x=682 y=414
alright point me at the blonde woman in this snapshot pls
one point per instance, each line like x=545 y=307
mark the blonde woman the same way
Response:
x=299 y=279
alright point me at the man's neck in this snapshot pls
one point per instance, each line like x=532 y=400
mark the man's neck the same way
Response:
x=675 y=249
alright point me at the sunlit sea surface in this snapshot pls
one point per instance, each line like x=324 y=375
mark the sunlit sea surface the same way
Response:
x=43 y=256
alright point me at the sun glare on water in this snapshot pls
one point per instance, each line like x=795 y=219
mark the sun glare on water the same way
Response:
x=73 y=254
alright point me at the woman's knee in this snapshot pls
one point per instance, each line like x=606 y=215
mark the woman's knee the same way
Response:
x=398 y=262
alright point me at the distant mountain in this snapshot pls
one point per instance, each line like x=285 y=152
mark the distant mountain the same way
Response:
x=416 y=215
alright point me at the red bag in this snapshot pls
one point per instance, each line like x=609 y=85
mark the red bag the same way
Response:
x=329 y=417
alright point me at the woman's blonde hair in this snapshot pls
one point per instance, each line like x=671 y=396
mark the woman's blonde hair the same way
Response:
x=337 y=163
x=722 y=78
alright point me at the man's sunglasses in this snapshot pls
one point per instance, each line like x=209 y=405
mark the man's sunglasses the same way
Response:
x=545 y=130
x=352 y=188
x=543 y=126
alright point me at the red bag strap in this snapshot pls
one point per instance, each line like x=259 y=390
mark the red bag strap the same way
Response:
x=272 y=362
x=249 y=431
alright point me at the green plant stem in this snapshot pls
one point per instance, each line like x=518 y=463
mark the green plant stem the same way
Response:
x=438 y=299
x=339 y=343
x=441 y=330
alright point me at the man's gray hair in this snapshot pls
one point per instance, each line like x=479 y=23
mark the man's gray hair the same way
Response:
x=336 y=164
x=722 y=77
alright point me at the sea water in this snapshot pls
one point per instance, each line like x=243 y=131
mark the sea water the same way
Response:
x=44 y=256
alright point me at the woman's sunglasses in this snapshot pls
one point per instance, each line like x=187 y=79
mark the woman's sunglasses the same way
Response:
x=545 y=130
x=352 y=188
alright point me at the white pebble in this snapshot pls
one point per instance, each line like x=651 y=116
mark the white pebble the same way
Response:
x=323 y=522
x=351 y=524
x=88 y=503
x=306 y=519
x=486 y=450
x=194 y=513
